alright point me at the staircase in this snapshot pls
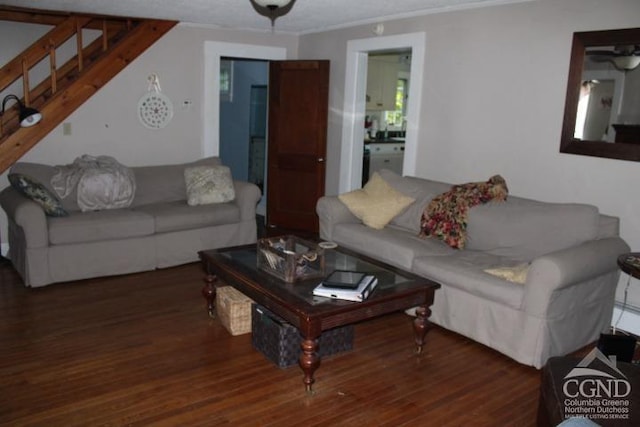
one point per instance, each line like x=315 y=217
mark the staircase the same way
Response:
x=67 y=85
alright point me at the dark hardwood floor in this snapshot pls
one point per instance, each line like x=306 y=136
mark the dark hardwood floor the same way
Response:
x=140 y=350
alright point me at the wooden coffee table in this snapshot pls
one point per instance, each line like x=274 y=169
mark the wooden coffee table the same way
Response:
x=397 y=290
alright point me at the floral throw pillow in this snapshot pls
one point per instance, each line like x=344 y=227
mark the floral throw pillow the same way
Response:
x=445 y=217
x=37 y=192
x=208 y=184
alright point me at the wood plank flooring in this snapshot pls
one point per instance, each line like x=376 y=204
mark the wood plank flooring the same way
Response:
x=140 y=350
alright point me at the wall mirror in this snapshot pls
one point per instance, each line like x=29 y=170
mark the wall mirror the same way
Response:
x=602 y=108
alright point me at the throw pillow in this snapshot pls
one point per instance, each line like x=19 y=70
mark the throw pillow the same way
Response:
x=515 y=274
x=37 y=192
x=376 y=203
x=208 y=184
x=446 y=215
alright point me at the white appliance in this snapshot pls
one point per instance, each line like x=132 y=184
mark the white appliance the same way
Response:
x=388 y=155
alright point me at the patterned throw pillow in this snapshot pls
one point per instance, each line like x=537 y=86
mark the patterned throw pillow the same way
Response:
x=208 y=184
x=38 y=193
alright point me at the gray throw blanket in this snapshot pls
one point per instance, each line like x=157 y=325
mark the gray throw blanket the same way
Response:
x=102 y=182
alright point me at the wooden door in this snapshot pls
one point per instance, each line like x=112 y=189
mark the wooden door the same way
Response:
x=298 y=103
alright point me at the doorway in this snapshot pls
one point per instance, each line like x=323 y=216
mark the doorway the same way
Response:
x=358 y=51
x=388 y=82
x=243 y=114
x=214 y=52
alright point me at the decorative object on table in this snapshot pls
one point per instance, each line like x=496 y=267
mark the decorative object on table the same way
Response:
x=155 y=109
x=272 y=9
x=290 y=258
x=27 y=116
x=280 y=341
x=234 y=310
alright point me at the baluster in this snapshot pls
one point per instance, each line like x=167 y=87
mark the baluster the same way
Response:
x=80 y=46
x=25 y=81
x=54 y=70
x=105 y=39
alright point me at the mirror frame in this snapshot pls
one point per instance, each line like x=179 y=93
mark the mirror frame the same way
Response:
x=569 y=144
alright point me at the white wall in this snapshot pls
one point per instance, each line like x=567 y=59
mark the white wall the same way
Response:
x=493 y=101
x=108 y=123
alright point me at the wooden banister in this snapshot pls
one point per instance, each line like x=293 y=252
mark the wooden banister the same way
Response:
x=38 y=50
x=71 y=83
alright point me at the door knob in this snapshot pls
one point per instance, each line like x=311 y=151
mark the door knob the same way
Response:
x=320 y=159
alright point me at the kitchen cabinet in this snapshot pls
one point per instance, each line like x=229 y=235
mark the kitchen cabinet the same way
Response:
x=382 y=81
x=385 y=156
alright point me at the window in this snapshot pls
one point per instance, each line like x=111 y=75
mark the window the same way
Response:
x=396 y=118
x=226 y=80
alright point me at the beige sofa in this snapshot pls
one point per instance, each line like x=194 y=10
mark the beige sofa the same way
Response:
x=571 y=250
x=159 y=229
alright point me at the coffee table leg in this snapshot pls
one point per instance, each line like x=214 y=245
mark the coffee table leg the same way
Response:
x=309 y=361
x=209 y=293
x=421 y=326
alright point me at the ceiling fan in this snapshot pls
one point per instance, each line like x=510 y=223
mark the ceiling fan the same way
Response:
x=623 y=57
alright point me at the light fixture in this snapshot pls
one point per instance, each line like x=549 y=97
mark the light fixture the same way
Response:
x=28 y=116
x=272 y=9
x=626 y=63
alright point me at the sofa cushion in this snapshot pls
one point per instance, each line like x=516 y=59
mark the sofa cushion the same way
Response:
x=526 y=229
x=37 y=192
x=393 y=245
x=157 y=184
x=208 y=184
x=377 y=203
x=465 y=270
x=80 y=227
x=175 y=216
x=422 y=190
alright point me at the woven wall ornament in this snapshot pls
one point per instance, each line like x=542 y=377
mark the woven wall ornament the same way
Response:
x=155 y=109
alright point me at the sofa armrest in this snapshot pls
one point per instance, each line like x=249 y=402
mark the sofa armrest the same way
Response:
x=332 y=211
x=28 y=215
x=569 y=267
x=247 y=197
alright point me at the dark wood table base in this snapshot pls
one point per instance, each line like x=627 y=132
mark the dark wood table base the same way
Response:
x=209 y=294
x=309 y=359
x=397 y=290
x=421 y=326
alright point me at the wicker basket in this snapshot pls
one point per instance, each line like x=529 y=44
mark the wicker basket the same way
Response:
x=290 y=258
x=279 y=340
x=234 y=310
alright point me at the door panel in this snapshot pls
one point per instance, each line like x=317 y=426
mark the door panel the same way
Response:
x=298 y=103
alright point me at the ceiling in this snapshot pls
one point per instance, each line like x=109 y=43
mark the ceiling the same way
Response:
x=307 y=16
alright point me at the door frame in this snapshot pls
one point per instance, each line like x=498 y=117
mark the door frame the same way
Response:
x=213 y=52
x=354 y=103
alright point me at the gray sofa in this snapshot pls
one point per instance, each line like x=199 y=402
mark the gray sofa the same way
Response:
x=564 y=304
x=159 y=229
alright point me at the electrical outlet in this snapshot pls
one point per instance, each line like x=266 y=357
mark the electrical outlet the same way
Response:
x=66 y=128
